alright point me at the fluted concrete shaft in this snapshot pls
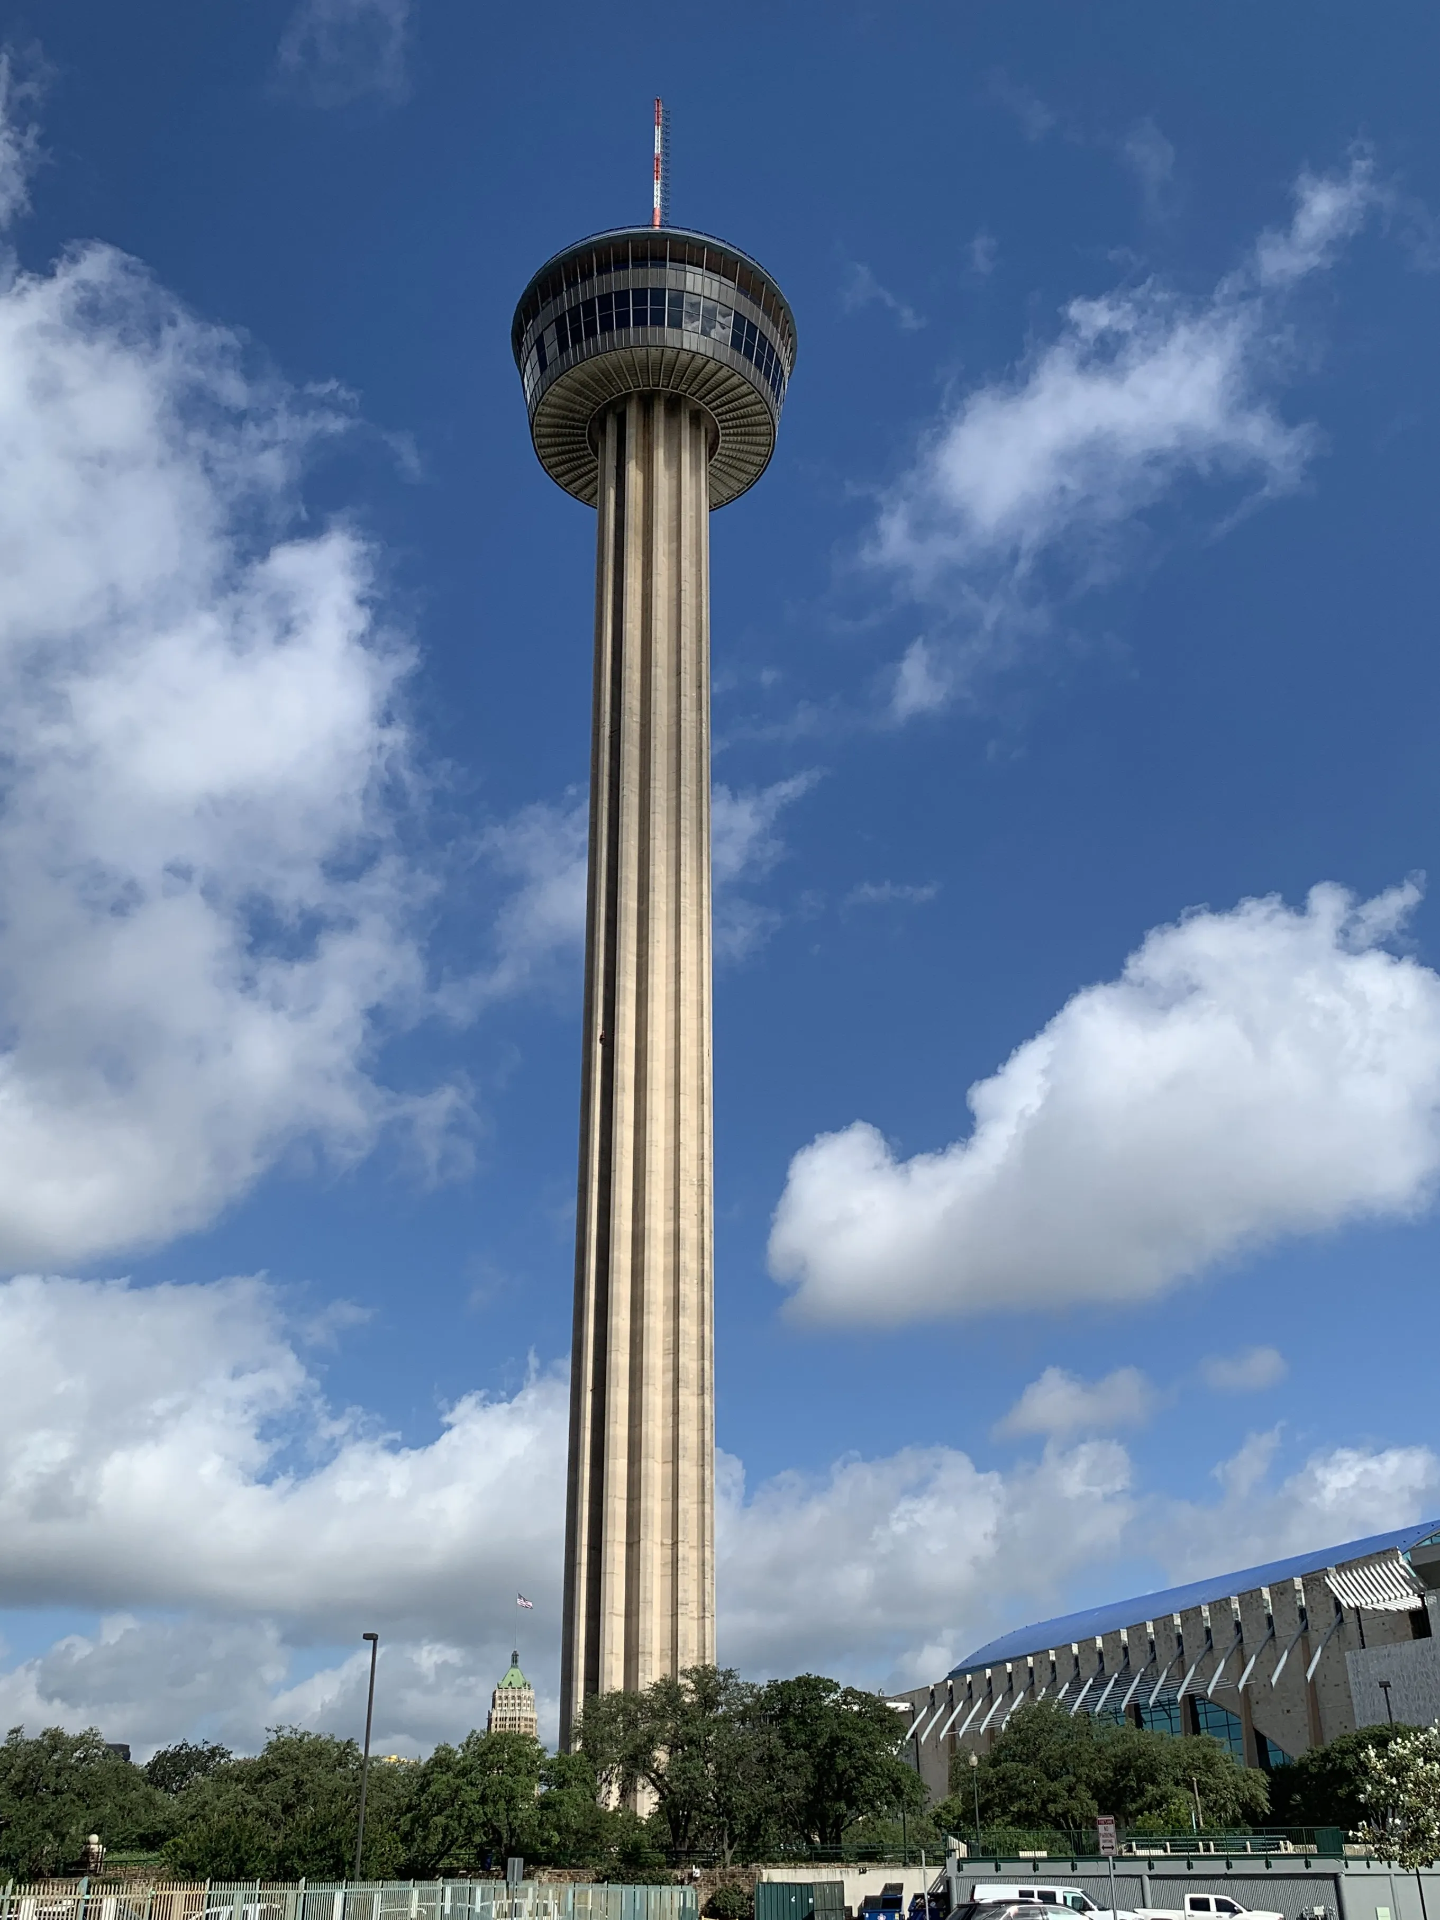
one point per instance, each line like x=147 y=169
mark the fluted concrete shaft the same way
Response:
x=640 y=1578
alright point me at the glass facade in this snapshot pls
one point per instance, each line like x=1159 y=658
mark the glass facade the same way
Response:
x=1162 y=1718
x=626 y=309
x=654 y=251
x=1196 y=1714
x=1223 y=1724
x=1270 y=1755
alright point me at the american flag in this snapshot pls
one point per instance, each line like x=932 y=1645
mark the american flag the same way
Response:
x=521 y=1601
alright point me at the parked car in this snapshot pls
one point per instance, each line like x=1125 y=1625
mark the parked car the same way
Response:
x=1051 y=1896
x=1002 y=1910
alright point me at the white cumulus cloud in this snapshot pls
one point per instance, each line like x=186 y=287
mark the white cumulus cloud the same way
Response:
x=19 y=139
x=1033 y=484
x=862 y=289
x=909 y=1559
x=208 y=913
x=1250 y=1074
x=885 y=893
x=539 y=928
x=1152 y=158
x=1244 y=1372
x=542 y=851
x=1337 y=1494
x=151 y=1681
x=1060 y=1404
x=339 y=51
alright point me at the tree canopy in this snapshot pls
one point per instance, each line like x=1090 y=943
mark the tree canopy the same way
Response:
x=736 y=1766
x=474 y=1804
x=292 y=1809
x=171 y=1769
x=838 y=1751
x=1050 y=1769
x=718 y=1764
x=56 y=1788
x=1324 y=1787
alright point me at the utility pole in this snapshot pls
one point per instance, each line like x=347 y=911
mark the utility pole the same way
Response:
x=374 y=1640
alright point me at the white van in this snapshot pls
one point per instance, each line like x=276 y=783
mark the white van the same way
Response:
x=1051 y=1896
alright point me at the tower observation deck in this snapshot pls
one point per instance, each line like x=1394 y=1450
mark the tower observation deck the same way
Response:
x=655 y=362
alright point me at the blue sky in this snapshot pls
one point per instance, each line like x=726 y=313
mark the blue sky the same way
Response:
x=1081 y=627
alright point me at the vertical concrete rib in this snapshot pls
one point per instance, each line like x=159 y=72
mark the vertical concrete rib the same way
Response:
x=639 y=1594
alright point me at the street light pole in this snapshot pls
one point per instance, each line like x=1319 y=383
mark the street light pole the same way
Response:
x=975 y=1783
x=374 y=1640
x=1384 y=1686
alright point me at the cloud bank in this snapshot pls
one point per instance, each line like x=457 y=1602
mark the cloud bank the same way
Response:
x=167 y=1446
x=1250 y=1075
x=169 y=1459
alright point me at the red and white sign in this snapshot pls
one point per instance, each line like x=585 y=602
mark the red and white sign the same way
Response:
x=1105 y=1831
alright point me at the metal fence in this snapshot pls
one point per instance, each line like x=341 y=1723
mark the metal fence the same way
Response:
x=355 y=1900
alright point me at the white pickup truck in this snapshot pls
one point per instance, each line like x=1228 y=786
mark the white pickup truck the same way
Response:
x=1208 y=1905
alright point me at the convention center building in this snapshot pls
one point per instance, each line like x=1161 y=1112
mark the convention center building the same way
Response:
x=1272 y=1660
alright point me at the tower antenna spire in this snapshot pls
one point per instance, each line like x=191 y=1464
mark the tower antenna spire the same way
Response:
x=655 y=406
x=660 y=217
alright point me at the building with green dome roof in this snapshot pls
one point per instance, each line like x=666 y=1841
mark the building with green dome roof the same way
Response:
x=512 y=1705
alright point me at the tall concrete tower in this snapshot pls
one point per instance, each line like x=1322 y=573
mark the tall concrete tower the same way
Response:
x=654 y=362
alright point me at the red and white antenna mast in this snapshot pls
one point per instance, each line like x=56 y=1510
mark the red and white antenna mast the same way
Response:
x=661 y=214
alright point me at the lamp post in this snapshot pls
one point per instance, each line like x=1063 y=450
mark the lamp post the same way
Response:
x=975 y=1783
x=1384 y=1686
x=374 y=1640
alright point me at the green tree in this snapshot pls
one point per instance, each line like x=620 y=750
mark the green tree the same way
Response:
x=57 y=1788
x=572 y=1829
x=1153 y=1782
x=475 y=1803
x=292 y=1809
x=1053 y=1770
x=1043 y=1771
x=172 y=1769
x=1323 y=1788
x=696 y=1744
x=834 y=1758
x=1401 y=1797
x=742 y=1769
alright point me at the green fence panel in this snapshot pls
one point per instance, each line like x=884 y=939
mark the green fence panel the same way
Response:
x=784 y=1899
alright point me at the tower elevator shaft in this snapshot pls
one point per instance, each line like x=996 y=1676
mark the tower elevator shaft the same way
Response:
x=640 y=1577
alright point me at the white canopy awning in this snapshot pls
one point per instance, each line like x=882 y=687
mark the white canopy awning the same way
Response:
x=1382 y=1583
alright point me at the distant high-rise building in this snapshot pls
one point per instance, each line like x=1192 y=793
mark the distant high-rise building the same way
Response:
x=512 y=1705
x=655 y=362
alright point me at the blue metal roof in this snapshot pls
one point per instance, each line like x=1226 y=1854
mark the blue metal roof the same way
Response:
x=1153 y=1606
